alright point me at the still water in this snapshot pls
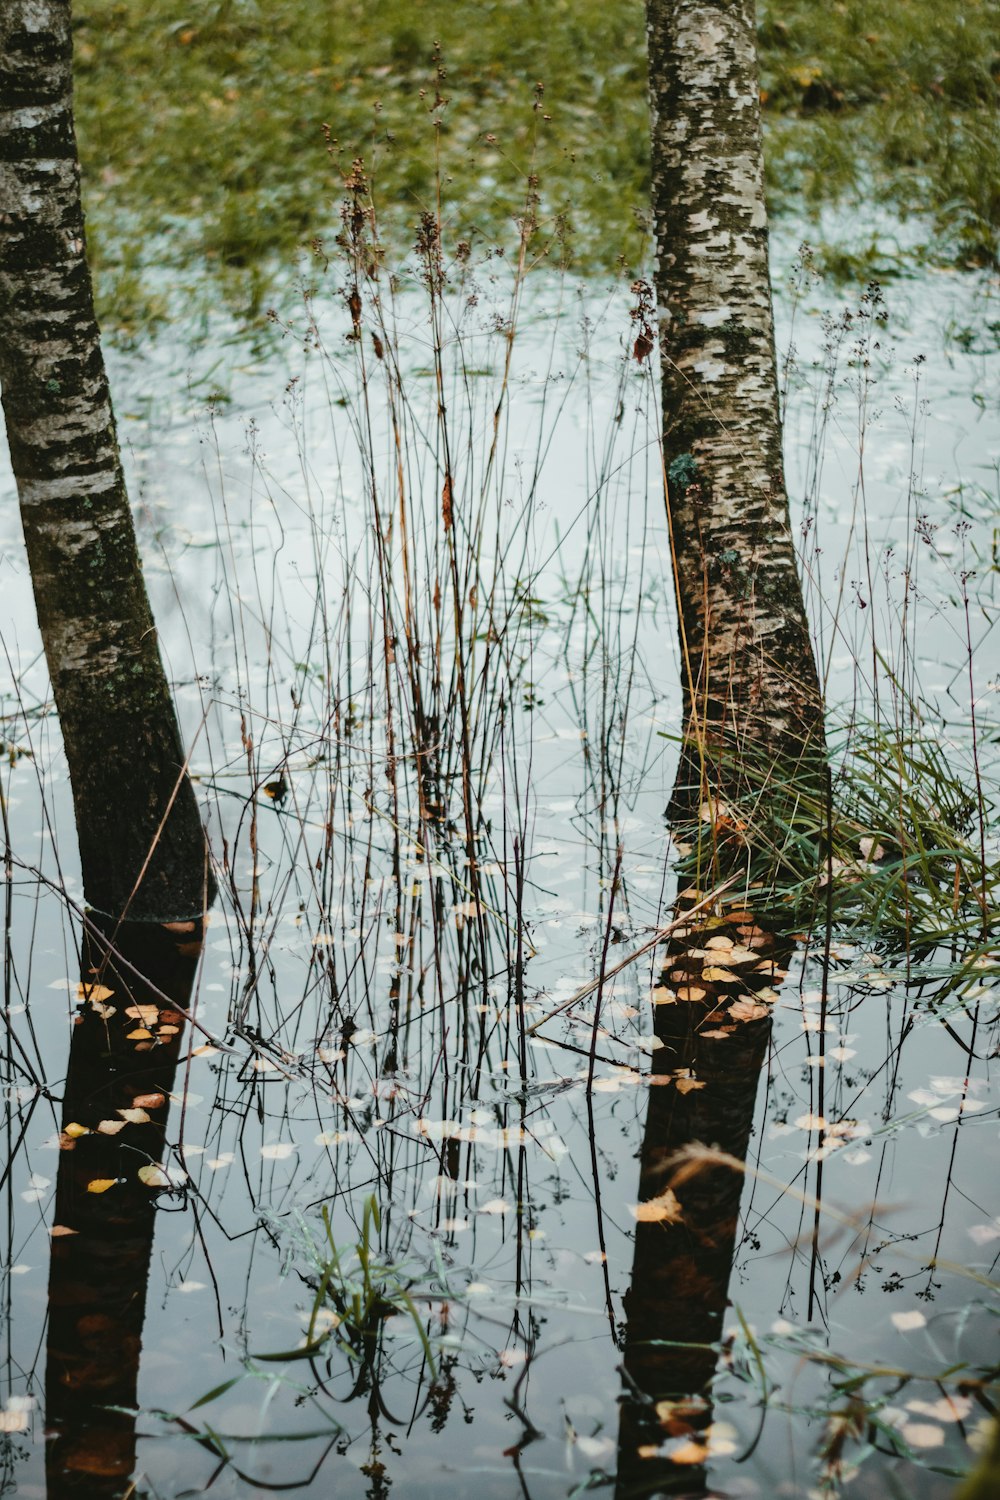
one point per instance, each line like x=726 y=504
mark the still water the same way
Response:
x=404 y=1224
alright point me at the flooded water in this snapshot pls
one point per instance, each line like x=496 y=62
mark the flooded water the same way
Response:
x=405 y=1224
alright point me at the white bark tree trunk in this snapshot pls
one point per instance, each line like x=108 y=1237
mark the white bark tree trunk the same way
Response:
x=136 y=811
x=752 y=694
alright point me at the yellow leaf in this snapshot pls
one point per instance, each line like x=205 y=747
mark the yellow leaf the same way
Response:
x=688 y=1085
x=691 y=992
x=664 y=1208
x=140 y=1034
x=101 y=1184
x=720 y=943
x=147 y=1014
x=74 y=1131
x=688 y=1453
x=93 y=992
x=714 y=975
x=153 y=1176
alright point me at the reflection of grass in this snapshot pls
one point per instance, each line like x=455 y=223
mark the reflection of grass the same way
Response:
x=207 y=127
x=356 y=1291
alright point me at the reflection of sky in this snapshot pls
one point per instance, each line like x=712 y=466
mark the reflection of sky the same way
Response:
x=268 y=1136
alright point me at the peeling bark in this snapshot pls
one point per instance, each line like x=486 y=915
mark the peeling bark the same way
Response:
x=119 y=728
x=751 y=688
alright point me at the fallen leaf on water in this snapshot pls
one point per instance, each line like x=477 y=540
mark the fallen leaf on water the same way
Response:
x=688 y=1085
x=110 y=1127
x=719 y=943
x=140 y=1034
x=922 y=1434
x=169 y=1030
x=277 y=1152
x=156 y=1176
x=713 y=974
x=718 y=1036
x=59 y=1230
x=144 y=1013
x=689 y=1452
x=664 y=1208
x=947 y=1409
x=691 y=992
x=904 y=1321
x=93 y=992
x=662 y=996
x=74 y=1131
x=134 y=1116
x=101 y=1184
x=204 y=1051
x=495 y=1206
x=746 y=1009
x=148 y=1101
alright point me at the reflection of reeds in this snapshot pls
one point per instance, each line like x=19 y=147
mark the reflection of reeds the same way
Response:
x=376 y=720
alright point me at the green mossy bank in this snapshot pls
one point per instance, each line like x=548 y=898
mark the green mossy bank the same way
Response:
x=202 y=127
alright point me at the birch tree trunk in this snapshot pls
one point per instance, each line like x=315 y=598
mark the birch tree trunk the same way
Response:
x=752 y=696
x=136 y=811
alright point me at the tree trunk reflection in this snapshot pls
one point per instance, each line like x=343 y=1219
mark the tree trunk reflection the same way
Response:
x=703 y=1090
x=123 y=1060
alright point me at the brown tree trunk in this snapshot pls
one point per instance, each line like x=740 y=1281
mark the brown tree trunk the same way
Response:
x=137 y=817
x=752 y=695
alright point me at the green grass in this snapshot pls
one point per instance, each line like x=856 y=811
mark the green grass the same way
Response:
x=202 y=128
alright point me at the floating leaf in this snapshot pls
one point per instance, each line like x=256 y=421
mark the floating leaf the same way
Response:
x=662 y=996
x=922 y=1434
x=689 y=1452
x=664 y=1208
x=93 y=992
x=746 y=1009
x=148 y=1101
x=140 y=1035
x=715 y=975
x=74 y=1131
x=111 y=1127
x=101 y=1184
x=495 y=1206
x=154 y=1176
x=59 y=1231
x=147 y=1014
x=904 y=1321
x=691 y=992
x=134 y=1116
x=277 y=1152
x=688 y=1085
